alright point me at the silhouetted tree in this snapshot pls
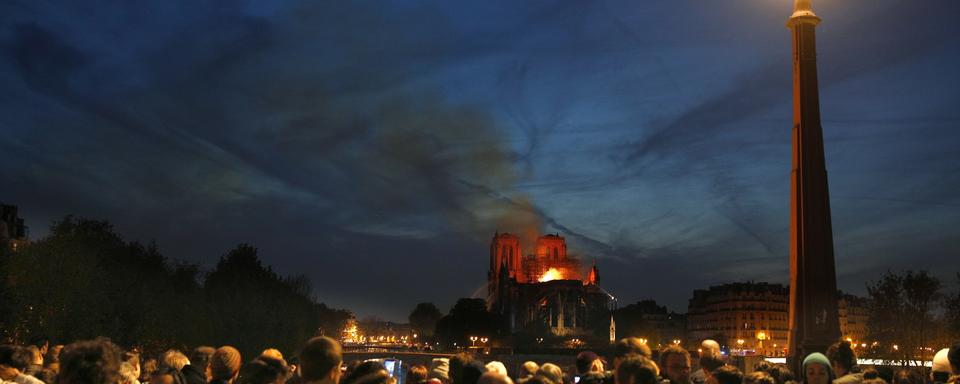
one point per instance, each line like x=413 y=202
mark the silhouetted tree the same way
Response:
x=922 y=293
x=423 y=319
x=468 y=317
x=254 y=308
x=952 y=314
x=6 y=296
x=84 y=281
x=902 y=308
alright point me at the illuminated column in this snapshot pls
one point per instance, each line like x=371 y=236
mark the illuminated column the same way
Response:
x=814 y=323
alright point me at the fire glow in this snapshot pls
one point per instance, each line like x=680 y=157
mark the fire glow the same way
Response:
x=551 y=274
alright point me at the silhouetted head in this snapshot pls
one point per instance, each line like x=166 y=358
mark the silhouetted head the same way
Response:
x=628 y=346
x=953 y=356
x=758 y=377
x=320 y=360
x=416 y=374
x=636 y=369
x=675 y=364
x=726 y=374
x=264 y=370
x=842 y=358
x=90 y=362
x=225 y=363
x=457 y=362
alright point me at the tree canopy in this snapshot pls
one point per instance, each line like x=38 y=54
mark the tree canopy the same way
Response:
x=84 y=281
x=905 y=316
x=468 y=317
x=423 y=319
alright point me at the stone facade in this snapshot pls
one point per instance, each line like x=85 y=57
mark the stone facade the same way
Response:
x=853 y=318
x=743 y=311
x=545 y=288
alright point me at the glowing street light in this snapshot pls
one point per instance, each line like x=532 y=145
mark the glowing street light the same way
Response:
x=473 y=341
x=643 y=341
x=761 y=336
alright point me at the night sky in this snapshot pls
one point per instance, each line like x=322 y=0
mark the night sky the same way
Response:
x=376 y=146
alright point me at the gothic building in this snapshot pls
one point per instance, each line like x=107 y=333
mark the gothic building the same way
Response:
x=544 y=289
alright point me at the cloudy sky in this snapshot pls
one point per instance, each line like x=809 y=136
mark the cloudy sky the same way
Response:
x=376 y=146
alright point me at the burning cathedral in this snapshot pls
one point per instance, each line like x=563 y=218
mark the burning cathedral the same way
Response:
x=545 y=288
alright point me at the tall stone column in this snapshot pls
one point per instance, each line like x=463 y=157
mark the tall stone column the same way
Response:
x=814 y=322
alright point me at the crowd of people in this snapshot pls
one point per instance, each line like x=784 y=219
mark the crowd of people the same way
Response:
x=321 y=361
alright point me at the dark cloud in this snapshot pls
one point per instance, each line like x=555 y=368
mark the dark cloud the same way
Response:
x=44 y=61
x=376 y=148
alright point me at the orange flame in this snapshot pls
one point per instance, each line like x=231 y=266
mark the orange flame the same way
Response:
x=551 y=274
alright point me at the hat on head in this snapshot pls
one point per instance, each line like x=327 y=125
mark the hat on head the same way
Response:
x=817 y=358
x=225 y=363
x=940 y=361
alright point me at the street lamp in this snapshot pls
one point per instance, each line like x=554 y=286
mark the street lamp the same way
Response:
x=740 y=346
x=676 y=341
x=643 y=341
x=484 y=340
x=761 y=336
x=473 y=341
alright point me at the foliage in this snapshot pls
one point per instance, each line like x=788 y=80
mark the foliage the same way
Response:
x=951 y=305
x=903 y=315
x=84 y=280
x=423 y=319
x=468 y=317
